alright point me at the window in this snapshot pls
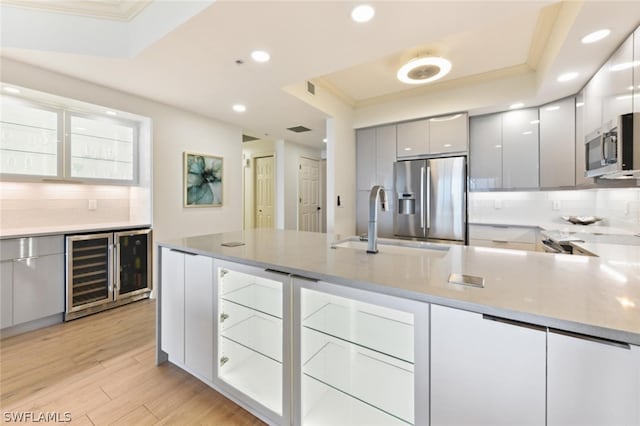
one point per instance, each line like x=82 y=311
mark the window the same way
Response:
x=29 y=139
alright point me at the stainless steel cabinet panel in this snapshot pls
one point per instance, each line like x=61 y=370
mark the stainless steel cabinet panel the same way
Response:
x=591 y=382
x=557 y=144
x=413 y=138
x=520 y=149
x=485 y=152
x=6 y=294
x=365 y=158
x=448 y=134
x=38 y=287
x=485 y=372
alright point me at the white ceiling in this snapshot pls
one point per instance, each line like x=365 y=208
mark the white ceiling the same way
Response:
x=193 y=66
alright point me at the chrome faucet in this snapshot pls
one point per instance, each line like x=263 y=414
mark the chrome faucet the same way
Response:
x=377 y=192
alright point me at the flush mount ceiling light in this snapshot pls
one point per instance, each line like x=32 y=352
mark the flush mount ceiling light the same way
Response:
x=239 y=108
x=363 y=13
x=595 y=36
x=424 y=70
x=567 y=76
x=260 y=56
x=516 y=105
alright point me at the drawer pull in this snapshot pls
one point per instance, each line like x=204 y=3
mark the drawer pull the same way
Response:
x=594 y=339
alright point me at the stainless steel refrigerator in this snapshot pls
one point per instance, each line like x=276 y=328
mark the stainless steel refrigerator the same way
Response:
x=431 y=199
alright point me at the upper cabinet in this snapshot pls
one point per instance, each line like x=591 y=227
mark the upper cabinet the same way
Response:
x=558 y=143
x=636 y=74
x=504 y=150
x=581 y=179
x=436 y=135
x=618 y=94
x=375 y=154
x=593 y=96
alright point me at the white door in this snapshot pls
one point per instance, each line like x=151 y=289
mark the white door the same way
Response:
x=264 y=190
x=309 y=195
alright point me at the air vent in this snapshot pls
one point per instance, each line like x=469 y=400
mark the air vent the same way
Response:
x=247 y=138
x=299 y=129
x=311 y=88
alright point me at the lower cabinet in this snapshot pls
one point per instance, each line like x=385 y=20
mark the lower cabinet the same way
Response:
x=253 y=338
x=485 y=372
x=6 y=294
x=592 y=382
x=362 y=357
x=507 y=237
x=187 y=311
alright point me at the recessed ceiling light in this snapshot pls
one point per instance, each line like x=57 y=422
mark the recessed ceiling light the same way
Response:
x=595 y=36
x=9 y=89
x=111 y=113
x=324 y=140
x=553 y=108
x=363 y=13
x=534 y=122
x=423 y=70
x=516 y=105
x=624 y=66
x=579 y=104
x=567 y=76
x=260 y=56
x=239 y=108
x=528 y=132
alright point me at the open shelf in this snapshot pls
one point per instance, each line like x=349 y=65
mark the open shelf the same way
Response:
x=267 y=300
x=382 y=383
x=332 y=407
x=256 y=376
x=369 y=330
x=258 y=334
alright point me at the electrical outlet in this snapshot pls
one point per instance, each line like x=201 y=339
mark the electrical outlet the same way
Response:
x=92 y=205
x=497 y=204
x=555 y=204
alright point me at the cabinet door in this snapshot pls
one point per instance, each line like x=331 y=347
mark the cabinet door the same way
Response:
x=6 y=294
x=636 y=74
x=618 y=96
x=485 y=372
x=591 y=382
x=198 y=315
x=581 y=179
x=172 y=268
x=448 y=134
x=38 y=289
x=413 y=138
x=365 y=158
x=385 y=155
x=557 y=144
x=520 y=148
x=485 y=152
x=593 y=96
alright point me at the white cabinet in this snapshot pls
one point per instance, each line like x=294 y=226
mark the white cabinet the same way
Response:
x=253 y=337
x=485 y=147
x=618 y=87
x=448 y=133
x=520 y=148
x=485 y=372
x=557 y=143
x=413 y=138
x=375 y=155
x=187 y=310
x=592 y=382
x=593 y=97
x=580 y=159
x=362 y=357
x=636 y=74
x=6 y=293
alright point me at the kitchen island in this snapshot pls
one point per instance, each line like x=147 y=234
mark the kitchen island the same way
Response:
x=511 y=350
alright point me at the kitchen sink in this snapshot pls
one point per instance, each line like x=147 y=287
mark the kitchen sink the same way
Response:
x=393 y=246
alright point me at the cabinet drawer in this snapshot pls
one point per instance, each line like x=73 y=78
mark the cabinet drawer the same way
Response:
x=20 y=248
x=512 y=234
x=503 y=244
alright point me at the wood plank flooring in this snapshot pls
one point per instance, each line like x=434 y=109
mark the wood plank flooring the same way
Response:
x=101 y=369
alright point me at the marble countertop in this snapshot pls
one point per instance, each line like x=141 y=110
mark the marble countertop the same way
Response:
x=68 y=229
x=575 y=293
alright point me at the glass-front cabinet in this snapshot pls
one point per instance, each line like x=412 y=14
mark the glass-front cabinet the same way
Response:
x=362 y=357
x=253 y=338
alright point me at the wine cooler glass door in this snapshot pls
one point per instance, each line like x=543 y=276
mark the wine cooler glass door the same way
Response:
x=133 y=262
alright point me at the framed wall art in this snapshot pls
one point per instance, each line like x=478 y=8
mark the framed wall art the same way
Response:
x=202 y=180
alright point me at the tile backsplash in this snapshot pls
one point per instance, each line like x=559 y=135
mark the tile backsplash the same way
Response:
x=619 y=208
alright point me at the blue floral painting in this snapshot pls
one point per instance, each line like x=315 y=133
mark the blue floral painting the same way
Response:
x=202 y=180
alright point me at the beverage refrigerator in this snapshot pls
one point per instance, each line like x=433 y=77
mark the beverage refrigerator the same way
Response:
x=107 y=269
x=431 y=199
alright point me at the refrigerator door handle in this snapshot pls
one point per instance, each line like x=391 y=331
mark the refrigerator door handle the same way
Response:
x=422 y=197
x=428 y=195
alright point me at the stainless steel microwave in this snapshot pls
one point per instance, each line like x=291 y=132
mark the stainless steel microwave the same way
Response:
x=614 y=151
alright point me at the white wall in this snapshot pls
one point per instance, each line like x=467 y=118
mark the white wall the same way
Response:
x=174 y=131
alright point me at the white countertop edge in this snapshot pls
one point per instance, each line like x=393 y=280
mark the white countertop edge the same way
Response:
x=525 y=317
x=62 y=230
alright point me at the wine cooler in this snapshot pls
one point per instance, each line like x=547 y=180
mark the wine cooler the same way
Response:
x=105 y=270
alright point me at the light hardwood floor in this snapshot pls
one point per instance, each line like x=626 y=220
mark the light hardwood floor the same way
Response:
x=101 y=369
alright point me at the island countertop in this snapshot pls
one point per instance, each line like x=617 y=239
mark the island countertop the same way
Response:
x=579 y=294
